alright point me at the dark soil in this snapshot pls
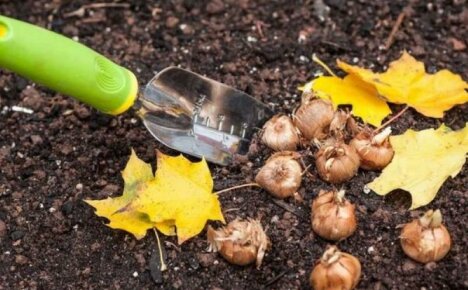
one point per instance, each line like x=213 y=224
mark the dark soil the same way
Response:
x=64 y=151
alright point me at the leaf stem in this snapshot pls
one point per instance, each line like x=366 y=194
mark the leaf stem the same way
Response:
x=237 y=187
x=322 y=64
x=161 y=256
x=392 y=119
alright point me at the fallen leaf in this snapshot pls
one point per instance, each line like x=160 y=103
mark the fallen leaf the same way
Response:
x=353 y=91
x=422 y=162
x=178 y=197
x=406 y=82
x=136 y=176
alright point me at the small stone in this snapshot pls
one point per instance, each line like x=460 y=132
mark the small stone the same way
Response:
x=16 y=235
x=17 y=195
x=408 y=266
x=172 y=22
x=186 y=29
x=36 y=139
x=66 y=149
x=21 y=260
x=86 y=271
x=457 y=44
x=82 y=112
x=39 y=174
x=430 y=266
x=31 y=98
x=205 y=259
x=215 y=7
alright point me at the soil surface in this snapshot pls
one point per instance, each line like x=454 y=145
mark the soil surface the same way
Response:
x=64 y=152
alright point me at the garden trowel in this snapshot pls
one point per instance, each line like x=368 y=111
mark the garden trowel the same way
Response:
x=183 y=110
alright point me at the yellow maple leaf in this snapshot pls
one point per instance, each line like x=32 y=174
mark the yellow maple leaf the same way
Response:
x=406 y=82
x=422 y=162
x=353 y=91
x=178 y=197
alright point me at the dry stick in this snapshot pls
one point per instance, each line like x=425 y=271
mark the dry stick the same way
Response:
x=289 y=208
x=395 y=28
x=392 y=119
x=80 y=11
x=237 y=187
x=161 y=256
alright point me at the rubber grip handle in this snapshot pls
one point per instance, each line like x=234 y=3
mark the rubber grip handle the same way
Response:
x=66 y=66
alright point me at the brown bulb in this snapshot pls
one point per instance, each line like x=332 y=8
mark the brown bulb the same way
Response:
x=240 y=242
x=426 y=239
x=313 y=117
x=339 y=123
x=336 y=270
x=281 y=175
x=280 y=134
x=333 y=216
x=337 y=163
x=375 y=152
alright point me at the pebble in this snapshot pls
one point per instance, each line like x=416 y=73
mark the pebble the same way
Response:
x=430 y=266
x=31 y=98
x=36 y=139
x=186 y=29
x=215 y=7
x=16 y=235
x=82 y=112
x=408 y=266
x=172 y=22
x=21 y=260
x=205 y=259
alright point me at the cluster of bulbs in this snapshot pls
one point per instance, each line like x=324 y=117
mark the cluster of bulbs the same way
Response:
x=343 y=146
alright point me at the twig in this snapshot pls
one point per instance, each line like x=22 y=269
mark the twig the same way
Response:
x=289 y=208
x=392 y=119
x=395 y=28
x=237 y=187
x=276 y=278
x=81 y=11
x=258 y=26
x=232 y=209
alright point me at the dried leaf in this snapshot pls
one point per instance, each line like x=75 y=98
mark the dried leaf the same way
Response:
x=423 y=161
x=179 y=196
x=406 y=82
x=353 y=91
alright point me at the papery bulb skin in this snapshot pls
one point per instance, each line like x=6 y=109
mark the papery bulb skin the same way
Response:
x=333 y=216
x=281 y=175
x=375 y=152
x=313 y=117
x=426 y=239
x=280 y=134
x=337 y=163
x=336 y=270
x=241 y=242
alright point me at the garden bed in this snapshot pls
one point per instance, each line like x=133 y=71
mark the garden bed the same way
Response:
x=63 y=152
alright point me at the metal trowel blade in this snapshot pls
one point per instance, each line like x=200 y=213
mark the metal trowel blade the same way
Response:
x=199 y=116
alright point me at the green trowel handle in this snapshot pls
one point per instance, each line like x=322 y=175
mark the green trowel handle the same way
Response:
x=65 y=66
